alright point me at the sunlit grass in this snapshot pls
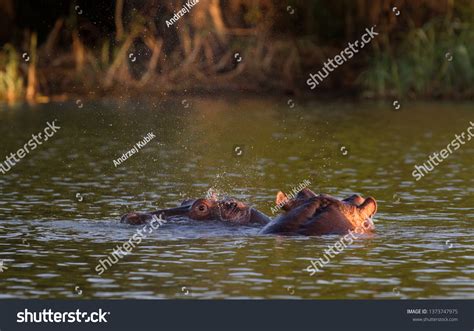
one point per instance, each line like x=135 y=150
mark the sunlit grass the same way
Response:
x=11 y=81
x=434 y=60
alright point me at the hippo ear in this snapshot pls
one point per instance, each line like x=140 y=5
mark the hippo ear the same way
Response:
x=281 y=198
x=369 y=207
x=306 y=193
x=355 y=199
x=187 y=202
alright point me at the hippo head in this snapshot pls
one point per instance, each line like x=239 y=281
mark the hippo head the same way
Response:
x=287 y=204
x=136 y=218
x=305 y=194
x=311 y=214
x=228 y=210
x=359 y=212
x=199 y=209
x=234 y=211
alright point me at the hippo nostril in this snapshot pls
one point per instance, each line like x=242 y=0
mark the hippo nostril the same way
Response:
x=130 y=218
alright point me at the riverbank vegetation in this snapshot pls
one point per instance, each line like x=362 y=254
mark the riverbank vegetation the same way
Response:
x=93 y=49
x=434 y=60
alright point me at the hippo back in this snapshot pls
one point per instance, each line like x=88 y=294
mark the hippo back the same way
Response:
x=319 y=215
x=290 y=222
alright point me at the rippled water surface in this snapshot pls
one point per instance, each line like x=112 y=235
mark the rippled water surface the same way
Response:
x=59 y=206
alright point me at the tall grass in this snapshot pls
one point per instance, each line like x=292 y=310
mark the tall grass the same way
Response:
x=11 y=81
x=436 y=59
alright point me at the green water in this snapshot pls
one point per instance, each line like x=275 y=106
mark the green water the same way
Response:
x=60 y=204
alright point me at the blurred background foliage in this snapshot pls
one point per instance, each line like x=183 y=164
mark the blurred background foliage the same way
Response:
x=55 y=49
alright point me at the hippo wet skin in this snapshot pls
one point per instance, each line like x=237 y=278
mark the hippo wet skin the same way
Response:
x=306 y=214
x=227 y=210
x=310 y=214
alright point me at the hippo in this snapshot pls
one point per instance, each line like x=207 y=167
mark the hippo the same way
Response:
x=311 y=214
x=228 y=210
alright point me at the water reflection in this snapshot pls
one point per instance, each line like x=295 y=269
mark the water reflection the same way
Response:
x=59 y=206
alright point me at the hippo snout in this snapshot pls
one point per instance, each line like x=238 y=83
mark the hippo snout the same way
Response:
x=135 y=218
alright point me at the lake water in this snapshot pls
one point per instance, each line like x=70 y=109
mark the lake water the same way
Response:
x=60 y=205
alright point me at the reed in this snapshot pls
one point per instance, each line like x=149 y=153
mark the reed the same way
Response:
x=436 y=59
x=11 y=81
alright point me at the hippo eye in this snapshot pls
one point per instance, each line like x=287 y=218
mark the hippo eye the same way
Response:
x=202 y=207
